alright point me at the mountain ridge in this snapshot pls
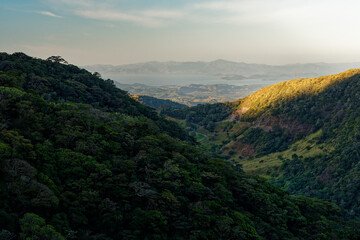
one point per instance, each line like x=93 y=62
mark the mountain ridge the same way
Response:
x=224 y=67
x=288 y=90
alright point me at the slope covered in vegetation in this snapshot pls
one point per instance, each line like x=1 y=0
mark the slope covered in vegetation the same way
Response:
x=304 y=133
x=80 y=159
x=157 y=102
x=335 y=174
x=274 y=96
x=204 y=114
x=329 y=105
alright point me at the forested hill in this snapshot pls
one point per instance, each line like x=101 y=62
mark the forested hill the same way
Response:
x=79 y=159
x=157 y=102
x=303 y=133
x=289 y=93
x=57 y=82
x=326 y=110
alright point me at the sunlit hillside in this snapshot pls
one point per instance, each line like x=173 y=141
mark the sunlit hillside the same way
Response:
x=280 y=93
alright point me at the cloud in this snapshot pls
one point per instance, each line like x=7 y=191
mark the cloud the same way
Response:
x=164 y=14
x=219 y=6
x=71 y=3
x=119 y=16
x=229 y=12
x=279 y=12
x=116 y=11
x=49 y=14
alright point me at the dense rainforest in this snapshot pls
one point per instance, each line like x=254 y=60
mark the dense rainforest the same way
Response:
x=203 y=114
x=80 y=159
x=157 y=103
x=304 y=134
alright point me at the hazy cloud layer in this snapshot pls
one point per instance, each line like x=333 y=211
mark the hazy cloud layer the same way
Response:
x=50 y=14
x=280 y=12
x=113 y=11
x=119 y=16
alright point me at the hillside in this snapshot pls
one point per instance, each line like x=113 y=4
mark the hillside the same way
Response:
x=272 y=97
x=80 y=159
x=156 y=102
x=68 y=83
x=303 y=134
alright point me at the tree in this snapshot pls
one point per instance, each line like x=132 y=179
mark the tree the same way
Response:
x=96 y=74
x=34 y=227
x=6 y=235
x=57 y=59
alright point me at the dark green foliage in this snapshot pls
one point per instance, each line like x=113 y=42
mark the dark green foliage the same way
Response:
x=266 y=142
x=157 y=102
x=204 y=114
x=72 y=168
x=334 y=176
x=34 y=227
x=60 y=83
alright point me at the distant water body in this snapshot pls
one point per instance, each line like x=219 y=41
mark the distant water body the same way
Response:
x=182 y=79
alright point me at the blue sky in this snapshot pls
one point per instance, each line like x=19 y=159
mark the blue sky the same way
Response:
x=129 y=31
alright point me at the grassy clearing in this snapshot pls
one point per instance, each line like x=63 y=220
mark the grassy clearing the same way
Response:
x=200 y=137
x=269 y=164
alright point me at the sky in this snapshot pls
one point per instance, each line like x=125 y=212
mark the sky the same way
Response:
x=117 y=32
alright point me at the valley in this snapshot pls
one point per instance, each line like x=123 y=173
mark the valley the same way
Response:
x=193 y=94
x=193 y=83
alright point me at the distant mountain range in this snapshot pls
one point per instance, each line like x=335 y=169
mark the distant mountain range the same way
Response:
x=226 y=69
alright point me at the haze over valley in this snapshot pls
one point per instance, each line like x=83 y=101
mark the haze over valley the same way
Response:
x=224 y=70
x=192 y=83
